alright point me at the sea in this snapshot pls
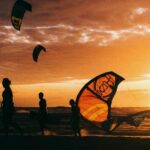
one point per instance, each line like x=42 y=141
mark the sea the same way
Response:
x=58 y=123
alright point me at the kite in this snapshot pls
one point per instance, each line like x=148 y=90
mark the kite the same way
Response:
x=95 y=99
x=19 y=8
x=37 y=51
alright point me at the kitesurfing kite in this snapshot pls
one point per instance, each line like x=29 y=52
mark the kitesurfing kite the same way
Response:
x=19 y=8
x=95 y=99
x=37 y=51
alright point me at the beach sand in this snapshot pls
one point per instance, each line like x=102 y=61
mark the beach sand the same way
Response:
x=59 y=135
x=72 y=143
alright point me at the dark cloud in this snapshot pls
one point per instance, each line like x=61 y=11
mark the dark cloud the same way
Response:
x=79 y=12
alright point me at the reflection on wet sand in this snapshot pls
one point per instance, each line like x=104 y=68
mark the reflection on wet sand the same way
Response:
x=59 y=124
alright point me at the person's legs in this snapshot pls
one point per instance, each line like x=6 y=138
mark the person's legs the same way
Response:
x=6 y=129
x=5 y=121
x=41 y=126
x=78 y=130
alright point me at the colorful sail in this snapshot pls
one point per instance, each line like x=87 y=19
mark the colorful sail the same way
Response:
x=95 y=98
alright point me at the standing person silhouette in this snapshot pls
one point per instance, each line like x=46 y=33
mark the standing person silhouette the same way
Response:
x=8 y=108
x=75 y=118
x=42 y=112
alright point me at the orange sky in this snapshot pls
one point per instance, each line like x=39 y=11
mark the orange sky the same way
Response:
x=83 y=38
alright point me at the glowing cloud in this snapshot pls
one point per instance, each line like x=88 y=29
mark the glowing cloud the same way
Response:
x=101 y=36
x=140 y=10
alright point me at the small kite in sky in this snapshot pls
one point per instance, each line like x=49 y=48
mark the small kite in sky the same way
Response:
x=18 y=11
x=95 y=99
x=36 y=52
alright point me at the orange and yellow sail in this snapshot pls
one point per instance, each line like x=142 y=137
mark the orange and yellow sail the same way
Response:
x=95 y=98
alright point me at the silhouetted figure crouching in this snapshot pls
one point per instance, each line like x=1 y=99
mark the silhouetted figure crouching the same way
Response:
x=42 y=112
x=8 y=108
x=75 y=118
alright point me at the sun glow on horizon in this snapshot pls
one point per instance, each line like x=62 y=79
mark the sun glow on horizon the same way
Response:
x=58 y=93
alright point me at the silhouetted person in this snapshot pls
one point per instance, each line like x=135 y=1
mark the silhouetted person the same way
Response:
x=42 y=112
x=75 y=118
x=8 y=108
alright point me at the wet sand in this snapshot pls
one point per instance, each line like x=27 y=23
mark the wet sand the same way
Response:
x=59 y=135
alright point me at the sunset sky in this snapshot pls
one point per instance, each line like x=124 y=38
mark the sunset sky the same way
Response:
x=83 y=38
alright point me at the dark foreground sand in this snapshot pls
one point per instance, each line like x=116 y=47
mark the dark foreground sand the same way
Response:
x=60 y=135
x=72 y=143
